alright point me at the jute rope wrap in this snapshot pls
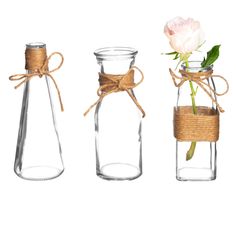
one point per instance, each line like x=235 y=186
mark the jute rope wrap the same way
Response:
x=117 y=83
x=36 y=62
x=203 y=126
x=200 y=78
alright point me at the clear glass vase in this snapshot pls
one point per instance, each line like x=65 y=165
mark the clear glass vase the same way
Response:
x=201 y=165
x=118 y=122
x=38 y=152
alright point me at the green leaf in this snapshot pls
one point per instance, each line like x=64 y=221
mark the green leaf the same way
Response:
x=203 y=61
x=176 y=56
x=212 y=56
x=171 y=53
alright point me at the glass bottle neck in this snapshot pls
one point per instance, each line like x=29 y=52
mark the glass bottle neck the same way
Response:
x=35 y=45
x=115 y=60
x=195 y=66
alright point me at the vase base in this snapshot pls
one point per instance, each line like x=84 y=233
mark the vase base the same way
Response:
x=119 y=171
x=39 y=173
x=195 y=174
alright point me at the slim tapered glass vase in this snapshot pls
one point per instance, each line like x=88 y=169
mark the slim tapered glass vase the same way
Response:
x=38 y=152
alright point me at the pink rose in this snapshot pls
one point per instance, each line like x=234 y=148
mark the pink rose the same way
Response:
x=185 y=35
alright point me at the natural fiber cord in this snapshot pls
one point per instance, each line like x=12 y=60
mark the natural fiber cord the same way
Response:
x=36 y=62
x=200 y=79
x=203 y=126
x=117 y=83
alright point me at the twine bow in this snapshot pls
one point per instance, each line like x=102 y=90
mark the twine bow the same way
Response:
x=43 y=70
x=199 y=78
x=116 y=83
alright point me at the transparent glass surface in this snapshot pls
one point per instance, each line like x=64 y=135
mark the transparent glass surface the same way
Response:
x=202 y=166
x=38 y=152
x=118 y=122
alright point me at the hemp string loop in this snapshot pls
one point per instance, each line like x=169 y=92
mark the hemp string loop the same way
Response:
x=37 y=65
x=115 y=83
x=199 y=78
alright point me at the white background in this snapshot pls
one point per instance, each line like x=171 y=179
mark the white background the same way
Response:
x=78 y=202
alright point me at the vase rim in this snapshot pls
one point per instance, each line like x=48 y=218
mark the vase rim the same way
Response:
x=196 y=66
x=107 y=53
x=36 y=45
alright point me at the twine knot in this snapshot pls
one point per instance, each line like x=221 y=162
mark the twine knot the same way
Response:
x=122 y=84
x=115 y=83
x=199 y=78
x=37 y=65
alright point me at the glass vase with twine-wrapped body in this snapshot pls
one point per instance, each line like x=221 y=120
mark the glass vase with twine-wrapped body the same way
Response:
x=196 y=122
x=118 y=116
x=38 y=152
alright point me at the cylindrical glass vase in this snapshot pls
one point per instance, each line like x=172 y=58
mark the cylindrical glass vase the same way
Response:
x=196 y=121
x=38 y=152
x=118 y=121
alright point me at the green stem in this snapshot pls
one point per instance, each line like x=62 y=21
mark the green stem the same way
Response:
x=191 y=150
x=193 y=94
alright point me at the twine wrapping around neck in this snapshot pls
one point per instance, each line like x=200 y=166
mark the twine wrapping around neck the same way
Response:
x=36 y=62
x=199 y=78
x=115 y=83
